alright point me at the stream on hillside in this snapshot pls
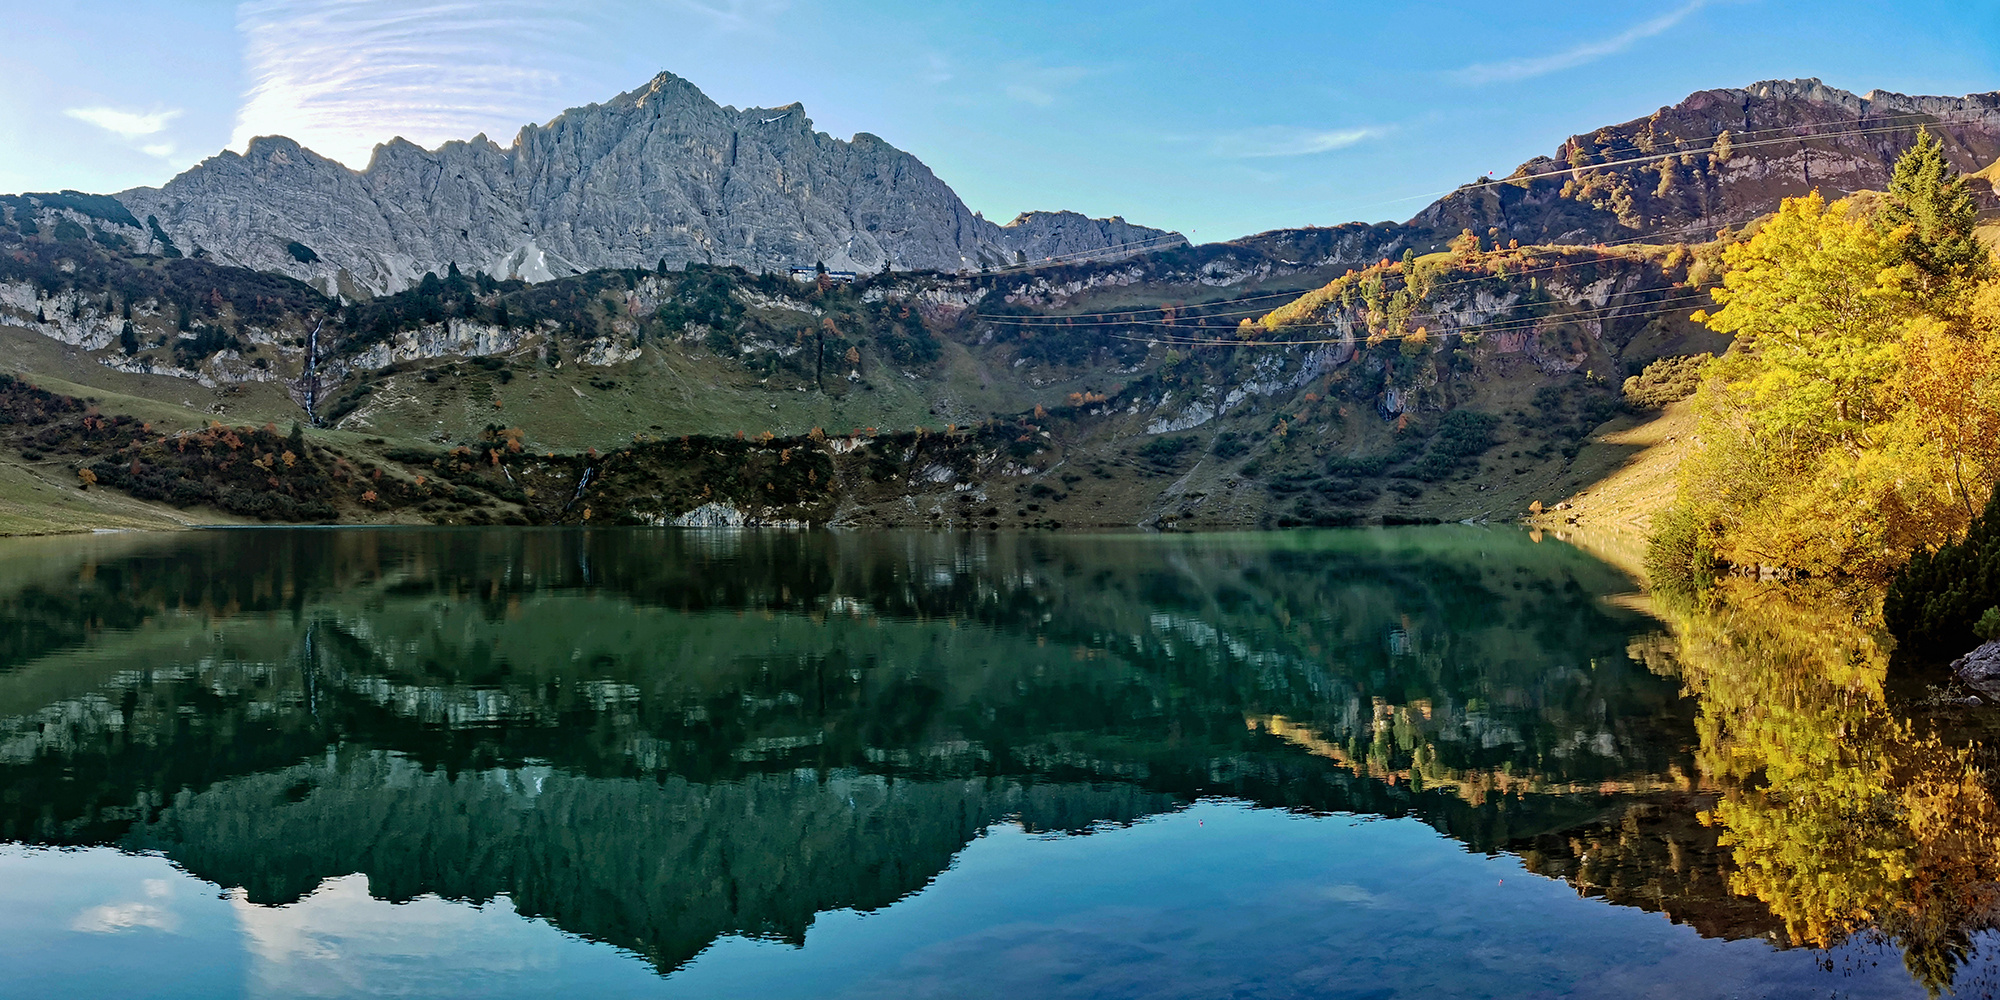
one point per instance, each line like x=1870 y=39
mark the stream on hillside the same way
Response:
x=1453 y=761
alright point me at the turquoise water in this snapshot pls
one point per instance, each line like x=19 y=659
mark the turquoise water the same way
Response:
x=1366 y=763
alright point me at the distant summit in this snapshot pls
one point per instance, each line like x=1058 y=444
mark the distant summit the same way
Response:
x=658 y=173
x=1720 y=157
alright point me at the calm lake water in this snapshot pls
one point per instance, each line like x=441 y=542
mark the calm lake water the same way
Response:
x=1437 y=762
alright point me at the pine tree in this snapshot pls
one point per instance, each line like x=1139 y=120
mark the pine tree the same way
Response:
x=1930 y=216
x=1936 y=599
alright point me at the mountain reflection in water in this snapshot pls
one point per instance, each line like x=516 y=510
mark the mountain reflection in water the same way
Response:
x=658 y=739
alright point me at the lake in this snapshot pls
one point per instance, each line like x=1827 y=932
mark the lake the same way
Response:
x=1416 y=762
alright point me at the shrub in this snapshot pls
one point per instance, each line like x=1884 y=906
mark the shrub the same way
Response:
x=1680 y=557
x=1462 y=435
x=1988 y=625
x=1665 y=381
x=96 y=206
x=1166 y=450
x=1935 y=601
x=191 y=351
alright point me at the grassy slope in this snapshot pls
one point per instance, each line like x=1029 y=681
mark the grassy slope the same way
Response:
x=1990 y=175
x=38 y=499
x=1631 y=465
x=665 y=392
x=168 y=402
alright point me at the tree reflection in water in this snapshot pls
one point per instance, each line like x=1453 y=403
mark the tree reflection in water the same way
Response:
x=655 y=739
x=1846 y=811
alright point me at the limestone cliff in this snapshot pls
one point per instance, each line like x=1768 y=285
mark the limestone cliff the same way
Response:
x=1671 y=176
x=660 y=173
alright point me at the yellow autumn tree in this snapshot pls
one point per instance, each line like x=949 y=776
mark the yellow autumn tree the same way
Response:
x=1842 y=815
x=1857 y=415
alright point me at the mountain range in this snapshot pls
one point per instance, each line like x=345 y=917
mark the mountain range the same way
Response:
x=606 y=282
x=664 y=175
x=661 y=173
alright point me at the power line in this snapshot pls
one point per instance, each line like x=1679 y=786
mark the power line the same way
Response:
x=1948 y=118
x=1115 y=317
x=1908 y=120
x=1501 y=326
x=1160 y=242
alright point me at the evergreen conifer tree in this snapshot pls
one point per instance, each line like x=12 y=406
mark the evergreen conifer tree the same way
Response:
x=1930 y=217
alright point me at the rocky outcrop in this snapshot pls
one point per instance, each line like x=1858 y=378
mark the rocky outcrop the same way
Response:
x=1980 y=669
x=458 y=337
x=658 y=174
x=1669 y=174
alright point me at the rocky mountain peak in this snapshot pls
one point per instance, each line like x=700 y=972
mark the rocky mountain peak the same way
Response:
x=658 y=173
x=663 y=88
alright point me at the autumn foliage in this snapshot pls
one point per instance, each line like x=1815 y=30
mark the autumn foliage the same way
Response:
x=1857 y=416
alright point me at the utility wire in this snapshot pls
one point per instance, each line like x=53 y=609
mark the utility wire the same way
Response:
x=1118 y=316
x=1907 y=121
x=1947 y=118
x=1499 y=326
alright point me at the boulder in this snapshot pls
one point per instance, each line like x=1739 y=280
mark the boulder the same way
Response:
x=1980 y=669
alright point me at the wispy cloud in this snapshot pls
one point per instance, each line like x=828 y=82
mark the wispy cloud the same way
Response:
x=937 y=69
x=128 y=124
x=116 y=918
x=341 y=76
x=1522 y=69
x=1284 y=140
x=113 y=918
x=1040 y=85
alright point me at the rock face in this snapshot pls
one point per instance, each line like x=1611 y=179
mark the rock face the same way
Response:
x=1980 y=669
x=660 y=173
x=1667 y=176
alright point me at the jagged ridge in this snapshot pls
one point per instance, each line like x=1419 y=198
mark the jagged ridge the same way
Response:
x=661 y=172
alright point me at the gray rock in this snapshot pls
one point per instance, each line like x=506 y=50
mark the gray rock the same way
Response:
x=659 y=173
x=1980 y=669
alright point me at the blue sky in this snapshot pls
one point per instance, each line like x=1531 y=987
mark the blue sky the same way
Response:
x=1217 y=119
